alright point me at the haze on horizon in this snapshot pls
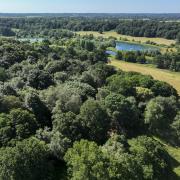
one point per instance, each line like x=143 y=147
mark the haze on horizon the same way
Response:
x=91 y=6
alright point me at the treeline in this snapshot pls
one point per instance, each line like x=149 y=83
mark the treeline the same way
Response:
x=144 y=28
x=169 y=61
x=65 y=114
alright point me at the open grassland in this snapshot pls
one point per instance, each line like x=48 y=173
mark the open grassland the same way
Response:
x=172 y=78
x=159 y=41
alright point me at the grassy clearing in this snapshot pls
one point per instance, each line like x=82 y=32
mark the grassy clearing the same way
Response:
x=159 y=41
x=172 y=78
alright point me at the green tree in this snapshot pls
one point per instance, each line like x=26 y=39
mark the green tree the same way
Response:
x=123 y=113
x=160 y=113
x=94 y=121
x=163 y=89
x=176 y=128
x=28 y=160
x=119 y=55
x=121 y=84
x=85 y=161
x=67 y=125
x=151 y=157
x=42 y=113
x=18 y=124
x=3 y=74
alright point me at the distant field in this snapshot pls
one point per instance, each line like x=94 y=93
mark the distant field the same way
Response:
x=162 y=75
x=159 y=41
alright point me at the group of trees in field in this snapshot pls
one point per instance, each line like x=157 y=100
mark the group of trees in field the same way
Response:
x=169 y=61
x=50 y=25
x=66 y=114
x=131 y=56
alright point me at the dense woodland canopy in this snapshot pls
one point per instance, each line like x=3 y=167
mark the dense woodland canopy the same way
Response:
x=41 y=25
x=66 y=114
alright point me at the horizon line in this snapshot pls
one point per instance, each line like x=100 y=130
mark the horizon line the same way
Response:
x=89 y=12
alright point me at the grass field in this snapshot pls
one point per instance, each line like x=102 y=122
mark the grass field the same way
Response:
x=160 y=41
x=172 y=78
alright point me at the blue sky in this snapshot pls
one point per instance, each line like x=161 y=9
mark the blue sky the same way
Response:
x=90 y=6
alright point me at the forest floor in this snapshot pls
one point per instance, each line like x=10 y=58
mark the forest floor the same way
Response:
x=172 y=78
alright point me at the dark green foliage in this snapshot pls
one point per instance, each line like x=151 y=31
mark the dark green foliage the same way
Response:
x=3 y=74
x=18 y=124
x=123 y=113
x=28 y=160
x=39 y=79
x=163 y=89
x=176 y=129
x=160 y=113
x=42 y=113
x=94 y=120
x=59 y=89
x=119 y=55
x=121 y=85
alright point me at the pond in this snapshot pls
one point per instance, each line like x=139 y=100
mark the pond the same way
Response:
x=126 y=46
x=32 y=40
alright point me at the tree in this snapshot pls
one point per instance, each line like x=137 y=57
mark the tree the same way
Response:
x=176 y=129
x=163 y=89
x=39 y=79
x=94 y=121
x=119 y=55
x=42 y=113
x=68 y=125
x=144 y=94
x=122 y=85
x=18 y=124
x=8 y=103
x=123 y=113
x=120 y=164
x=28 y=160
x=3 y=74
x=178 y=38
x=151 y=157
x=85 y=161
x=160 y=113
x=24 y=123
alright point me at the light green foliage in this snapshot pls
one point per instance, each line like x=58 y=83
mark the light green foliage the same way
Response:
x=152 y=158
x=144 y=94
x=85 y=161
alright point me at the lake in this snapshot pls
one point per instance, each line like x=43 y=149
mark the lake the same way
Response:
x=32 y=40
x=126 y=46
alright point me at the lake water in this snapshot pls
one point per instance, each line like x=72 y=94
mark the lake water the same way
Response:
x=126 y=46
x=32 y=40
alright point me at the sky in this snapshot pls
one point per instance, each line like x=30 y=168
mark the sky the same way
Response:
x=89 y=6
